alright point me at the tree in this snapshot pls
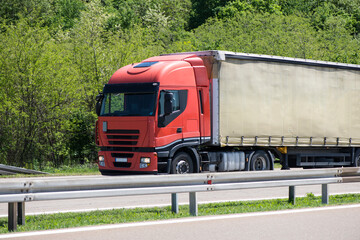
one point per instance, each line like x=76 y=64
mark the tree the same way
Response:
x=88 y=47
x=38 y=94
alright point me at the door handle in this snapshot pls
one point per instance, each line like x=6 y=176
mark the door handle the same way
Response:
x=179 y=130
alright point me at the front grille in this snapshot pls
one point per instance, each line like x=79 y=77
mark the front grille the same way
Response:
x=122 y=155
x=122 y=137
x=128 y=149
x=122 y=131
x=130 y=136
x=122 y=142
x=122 y=164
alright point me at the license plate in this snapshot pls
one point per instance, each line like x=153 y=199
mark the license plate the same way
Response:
x=120 y=159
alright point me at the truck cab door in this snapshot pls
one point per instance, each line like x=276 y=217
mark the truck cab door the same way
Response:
x=170 y=119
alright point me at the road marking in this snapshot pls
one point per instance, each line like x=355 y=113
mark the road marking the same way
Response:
x=173 y=221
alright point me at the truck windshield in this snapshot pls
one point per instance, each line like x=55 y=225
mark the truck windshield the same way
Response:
x=128 y=104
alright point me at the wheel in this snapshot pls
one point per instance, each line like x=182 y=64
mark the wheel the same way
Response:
x=182 y=164
x=260 y=161
x=357 y=158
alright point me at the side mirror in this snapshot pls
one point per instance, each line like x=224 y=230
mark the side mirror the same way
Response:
x=168 y=106
x=99 y=98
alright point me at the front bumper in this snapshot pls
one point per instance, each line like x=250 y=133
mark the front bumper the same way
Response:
x=127 y=162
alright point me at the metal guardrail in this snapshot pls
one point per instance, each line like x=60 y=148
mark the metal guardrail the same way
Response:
x=16 y=192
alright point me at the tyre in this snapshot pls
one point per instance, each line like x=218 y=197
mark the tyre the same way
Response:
x=182 y=164
x=357 y=158
x=260 y=161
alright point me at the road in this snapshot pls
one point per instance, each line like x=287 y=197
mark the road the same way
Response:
x=89 y=204
x=340 y=223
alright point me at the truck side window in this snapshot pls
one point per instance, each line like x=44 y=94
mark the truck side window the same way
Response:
x=201 y=102
x=179 y=104
x=176 y=101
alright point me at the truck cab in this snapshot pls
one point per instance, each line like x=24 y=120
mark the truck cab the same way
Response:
x=152 y=116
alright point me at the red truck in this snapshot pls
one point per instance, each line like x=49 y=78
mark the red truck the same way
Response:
x=225 y=111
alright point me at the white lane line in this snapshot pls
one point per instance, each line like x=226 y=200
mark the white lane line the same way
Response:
x=172 y=221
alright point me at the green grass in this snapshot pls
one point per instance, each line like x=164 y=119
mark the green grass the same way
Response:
x=85 y=169
x=277 y=165
x=67 y=220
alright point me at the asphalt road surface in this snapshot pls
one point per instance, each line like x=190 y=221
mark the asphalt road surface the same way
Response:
x=340 y=223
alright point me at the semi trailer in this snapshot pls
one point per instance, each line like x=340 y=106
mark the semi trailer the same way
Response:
x=224 y=111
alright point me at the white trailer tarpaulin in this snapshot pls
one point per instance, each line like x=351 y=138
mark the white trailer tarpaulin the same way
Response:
x=278 y=103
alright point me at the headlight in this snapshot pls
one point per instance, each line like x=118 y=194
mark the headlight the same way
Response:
x=144 y=162
x=101 y=161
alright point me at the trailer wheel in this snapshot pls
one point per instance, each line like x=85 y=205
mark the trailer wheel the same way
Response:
x=260 y=161
x=357 y=158
x=182 y=164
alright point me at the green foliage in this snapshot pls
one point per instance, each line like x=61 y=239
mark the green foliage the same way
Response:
x=203 y=10
x=81 y=136
x=237 y=7
x=274 y=34
x=56 y=55
x=319 y=11
x=79 y=169
x=66 y=12
x=35 y=93
x=257 y=33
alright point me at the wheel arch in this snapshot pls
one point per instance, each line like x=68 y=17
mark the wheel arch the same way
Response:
x=268 y=152
x=356 y=157
x=192 y=153
x=272 y=159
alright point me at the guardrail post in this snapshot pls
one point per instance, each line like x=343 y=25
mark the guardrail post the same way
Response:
x=21 y=213
x=193 y=204
x=324 y=194
x=292 y=194
x=174 y=203
x=12 y=214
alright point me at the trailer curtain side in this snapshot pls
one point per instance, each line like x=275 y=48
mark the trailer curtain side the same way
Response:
x=287 y=104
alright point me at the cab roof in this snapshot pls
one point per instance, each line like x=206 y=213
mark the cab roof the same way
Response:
x=167 y=69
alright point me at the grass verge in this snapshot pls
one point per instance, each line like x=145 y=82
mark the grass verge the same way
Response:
x=74 y=170
x=84 y=169
x=68 y=220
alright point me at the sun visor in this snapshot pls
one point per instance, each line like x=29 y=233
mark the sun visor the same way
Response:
x=131 y=88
